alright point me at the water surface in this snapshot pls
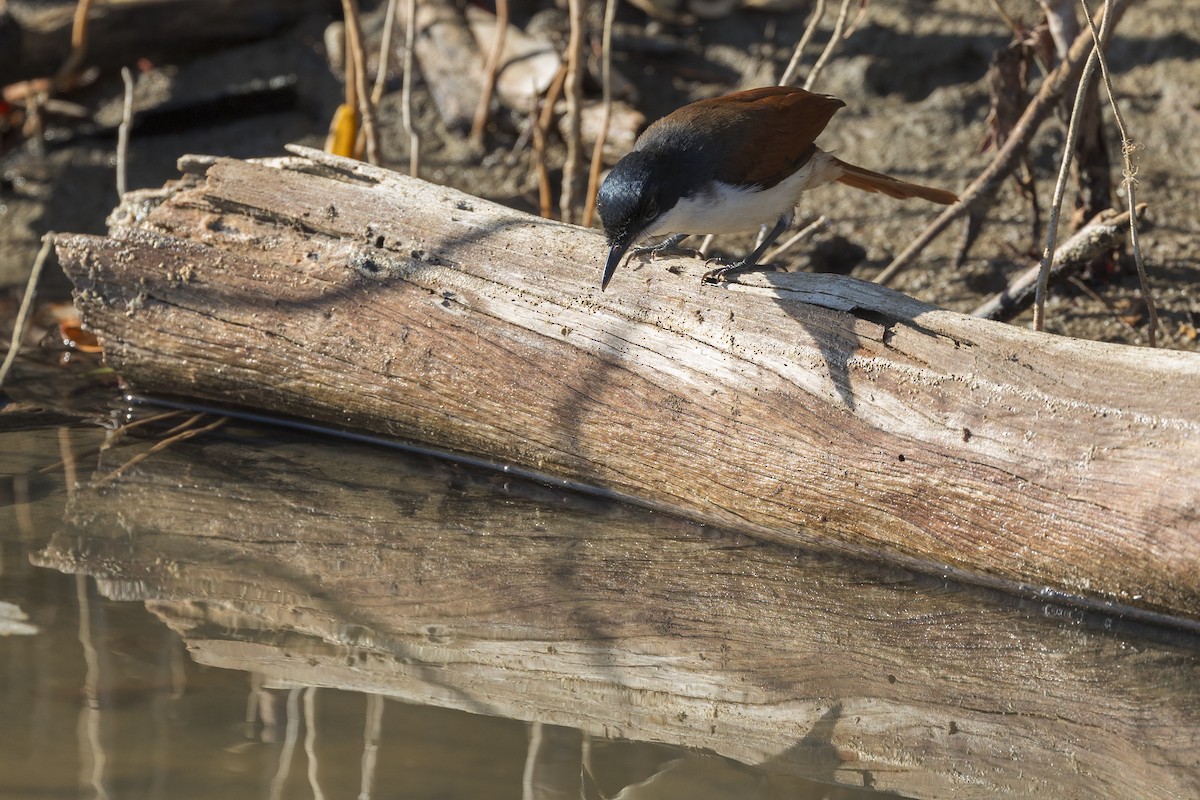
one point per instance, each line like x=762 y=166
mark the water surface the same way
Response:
x=197 y=607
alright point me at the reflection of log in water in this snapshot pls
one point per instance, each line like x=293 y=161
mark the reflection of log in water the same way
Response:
x=350 y=567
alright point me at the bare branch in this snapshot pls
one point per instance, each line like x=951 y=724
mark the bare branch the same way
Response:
x=834 y=39
x=789 y=74
x=984 y=187
x=1129 y=171
x=589 y=208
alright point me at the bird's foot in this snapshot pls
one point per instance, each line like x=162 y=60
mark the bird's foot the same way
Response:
x=667 y=247
x=727 y=269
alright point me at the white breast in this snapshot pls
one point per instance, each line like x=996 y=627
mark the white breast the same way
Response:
x=731 y=209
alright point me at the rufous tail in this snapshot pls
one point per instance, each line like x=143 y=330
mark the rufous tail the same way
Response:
x=869 y=181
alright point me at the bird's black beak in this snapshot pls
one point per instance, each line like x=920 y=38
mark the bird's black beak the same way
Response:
x=615 y=254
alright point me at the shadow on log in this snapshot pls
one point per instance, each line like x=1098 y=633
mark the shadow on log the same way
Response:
x=333 y=564
x=799 y=408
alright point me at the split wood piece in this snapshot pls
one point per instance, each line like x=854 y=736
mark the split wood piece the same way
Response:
x=40 y=32
x=471 y=590
x=798 y=408
x=1101 y=234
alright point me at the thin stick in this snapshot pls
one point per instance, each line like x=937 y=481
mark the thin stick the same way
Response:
x=111 y=439
x=35 y=128
x=537 y=162
x=414 y=140
x=366 y=110
x=385 y=54
x=370 y=756
x=830 y=46
x=1129 y=170
x=347 y=142
x=552 y=94
x=541 y=127
x=183 y=426
x=984 y=187
x=1043 y=67
x=26 y=305
x=310 y=742
x=1008 y=20
x=589 y=208
x=574 y=88
x=1090 y=292
x=123 y=132
x=538 y=152
x=65 y=78
x=858 y=18
x=69 y=460
x=800 y=236
x=789 y=74
x=1064 y=171
x=162 y=445
x=490 y=71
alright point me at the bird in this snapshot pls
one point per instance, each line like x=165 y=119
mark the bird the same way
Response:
x=725 y=165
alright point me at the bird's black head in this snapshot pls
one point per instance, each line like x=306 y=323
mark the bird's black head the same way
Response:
x=638 y=190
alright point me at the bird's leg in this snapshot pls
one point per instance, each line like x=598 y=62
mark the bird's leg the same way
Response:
x=667 y=247
x=724 y=272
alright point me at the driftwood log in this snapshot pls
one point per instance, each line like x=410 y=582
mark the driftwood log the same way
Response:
x=323 y=563
x=799 y=408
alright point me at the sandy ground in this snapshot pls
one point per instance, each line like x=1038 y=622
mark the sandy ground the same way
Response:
x=913 y=79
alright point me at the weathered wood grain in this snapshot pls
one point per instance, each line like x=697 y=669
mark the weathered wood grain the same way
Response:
x=799 y=408
x=323 y=563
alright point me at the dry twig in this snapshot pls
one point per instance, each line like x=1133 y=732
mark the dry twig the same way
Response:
x=789 y=74
x=1008 y=20
x=830 y=46
x=414 y=140
x=67 y=454
x=182 y=436
x=357 y=56
x=490 y=71
x=123 y=132
x=1129 y=170
x=1090 y=292
x=26 y=305
x=68 y=73
x=589 y=208
x=114 y=436
x=799 y=237
x=984 y=187
x=541 y=127
x=574 y=89
x=385 y=54
x=1085 y=79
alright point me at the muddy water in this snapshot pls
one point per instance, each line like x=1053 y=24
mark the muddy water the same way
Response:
x=251 y=612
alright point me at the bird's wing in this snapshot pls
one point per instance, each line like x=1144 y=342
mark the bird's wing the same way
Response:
x=774 y=130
